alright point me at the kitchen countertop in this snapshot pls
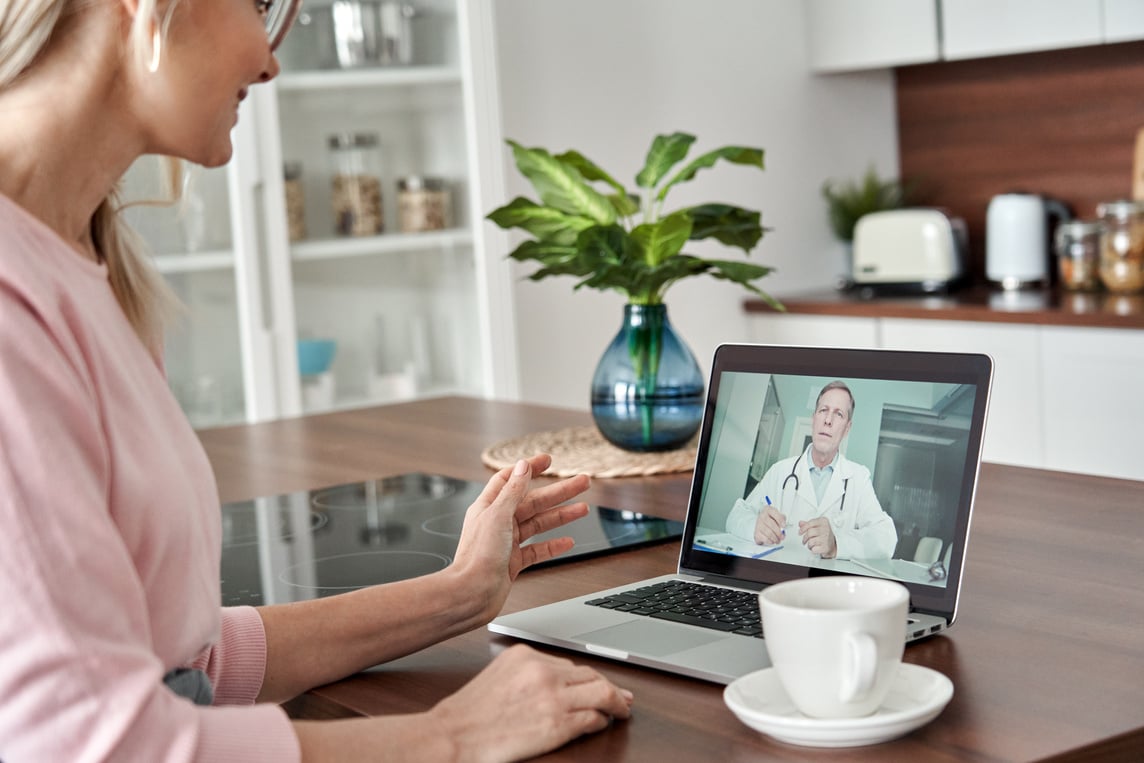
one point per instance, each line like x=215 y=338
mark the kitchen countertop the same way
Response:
x=978 y=303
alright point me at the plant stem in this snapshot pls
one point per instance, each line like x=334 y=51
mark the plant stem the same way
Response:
x=645 y=342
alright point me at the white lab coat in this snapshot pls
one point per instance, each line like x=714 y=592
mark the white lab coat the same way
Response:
x=861 y=529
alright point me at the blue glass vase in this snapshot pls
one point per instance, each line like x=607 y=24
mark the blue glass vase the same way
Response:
x=647 y=392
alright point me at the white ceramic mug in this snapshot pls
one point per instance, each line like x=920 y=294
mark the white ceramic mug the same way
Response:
x=836 y=641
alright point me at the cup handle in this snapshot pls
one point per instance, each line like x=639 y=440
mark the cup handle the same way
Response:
x=859 y=678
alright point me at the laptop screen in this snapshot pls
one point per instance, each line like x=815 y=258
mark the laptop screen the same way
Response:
x=834 y=461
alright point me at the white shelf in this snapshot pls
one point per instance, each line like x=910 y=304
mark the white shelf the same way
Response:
x=196 y=262
x=387 y=243
x=374 y=77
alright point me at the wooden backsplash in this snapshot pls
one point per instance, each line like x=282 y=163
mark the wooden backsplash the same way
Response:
x=1061 y=123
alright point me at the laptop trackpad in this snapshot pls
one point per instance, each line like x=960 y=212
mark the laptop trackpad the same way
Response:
x=649 y=637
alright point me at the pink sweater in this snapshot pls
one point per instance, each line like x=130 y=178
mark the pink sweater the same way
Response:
x=109 y=537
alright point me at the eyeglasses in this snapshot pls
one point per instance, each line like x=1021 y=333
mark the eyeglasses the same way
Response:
x=280 y=15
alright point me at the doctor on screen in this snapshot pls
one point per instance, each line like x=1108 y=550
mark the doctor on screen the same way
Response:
x=819 y=498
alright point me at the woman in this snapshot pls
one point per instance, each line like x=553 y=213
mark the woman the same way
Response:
x=110 y=627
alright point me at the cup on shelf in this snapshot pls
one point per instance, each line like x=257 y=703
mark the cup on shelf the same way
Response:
x=835 y=642
x=315 y=356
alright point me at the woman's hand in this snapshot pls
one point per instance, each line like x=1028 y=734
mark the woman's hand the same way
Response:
x=506 y=514
x=526 y=703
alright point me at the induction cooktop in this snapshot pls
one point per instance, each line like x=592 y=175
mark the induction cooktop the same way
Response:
x=307 y=545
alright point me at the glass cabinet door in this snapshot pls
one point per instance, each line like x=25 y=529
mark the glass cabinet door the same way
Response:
x=293 y=306
x=398 y=301
x=191 y=243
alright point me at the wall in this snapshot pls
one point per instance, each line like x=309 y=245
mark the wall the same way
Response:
x=605 y=77
x=1061 y=123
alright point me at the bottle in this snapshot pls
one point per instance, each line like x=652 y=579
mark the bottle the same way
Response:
x=423 y=204
x=356 y=185
x=295 y=200
x=1122 y=246
x=1077 y=245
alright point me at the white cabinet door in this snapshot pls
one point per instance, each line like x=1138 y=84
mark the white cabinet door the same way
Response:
x=813 y=330
x=1094 y=408
x=979 y=28
x=194 y=243
x=1123 y=20
x=1014 y=432
x=845 y=35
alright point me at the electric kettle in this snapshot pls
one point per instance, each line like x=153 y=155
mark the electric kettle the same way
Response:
x=1017 y=239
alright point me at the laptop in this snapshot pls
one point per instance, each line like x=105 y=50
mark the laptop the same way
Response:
x=898 y=494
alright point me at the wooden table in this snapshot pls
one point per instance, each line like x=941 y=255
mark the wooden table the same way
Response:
x=1047 y=656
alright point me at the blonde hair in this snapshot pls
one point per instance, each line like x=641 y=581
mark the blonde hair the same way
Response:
x=142 y=293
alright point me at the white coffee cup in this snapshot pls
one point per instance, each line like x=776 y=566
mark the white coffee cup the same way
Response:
x=835 y=641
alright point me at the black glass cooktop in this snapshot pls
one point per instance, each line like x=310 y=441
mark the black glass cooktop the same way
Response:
x=323 y=542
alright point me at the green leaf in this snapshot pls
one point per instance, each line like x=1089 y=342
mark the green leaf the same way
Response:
x=663 y=238
x=654 y=282
x=666 y=151
x=589 y=170
x=545 y=223
x=626 y=205
x=605 y=244
x=543 y=251
x=733 y=226
x=561 y=185
x=743 y=273
x=752 y=157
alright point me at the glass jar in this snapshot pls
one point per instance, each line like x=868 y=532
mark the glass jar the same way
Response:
x=423 y=204
x=356 y=184
x=1077 y=244
x=295 y=201
x=1122 y=246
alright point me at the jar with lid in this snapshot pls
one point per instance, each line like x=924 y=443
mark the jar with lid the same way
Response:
x=424 y=204
x=295 y=200
x=1077 y=244
x=1122 y=246
x=356 y=184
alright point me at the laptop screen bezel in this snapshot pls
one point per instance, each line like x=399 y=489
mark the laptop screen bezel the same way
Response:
x=973 y=369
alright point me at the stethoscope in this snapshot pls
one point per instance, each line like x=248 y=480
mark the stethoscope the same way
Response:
x=792 y=475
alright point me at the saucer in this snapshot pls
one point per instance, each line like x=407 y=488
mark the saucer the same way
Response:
x=916 y=697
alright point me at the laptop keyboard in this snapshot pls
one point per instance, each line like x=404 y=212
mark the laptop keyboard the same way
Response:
x=722 y=609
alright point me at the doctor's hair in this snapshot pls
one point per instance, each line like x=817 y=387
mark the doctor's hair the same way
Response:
x=837 y=385
x=28 y=31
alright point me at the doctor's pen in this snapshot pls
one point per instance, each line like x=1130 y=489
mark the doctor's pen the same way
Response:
x=767 y=498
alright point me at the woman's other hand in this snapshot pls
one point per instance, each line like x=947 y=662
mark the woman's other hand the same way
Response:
x=526 y=703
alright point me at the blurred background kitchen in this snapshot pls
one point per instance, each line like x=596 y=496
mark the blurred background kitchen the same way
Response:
x=342 y=258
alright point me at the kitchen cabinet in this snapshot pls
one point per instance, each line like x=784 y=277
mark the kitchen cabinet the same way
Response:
x=977 y=28
x=1123 y=20
x=814 y=330
x=1063 y=398
x=1092 y=402
x=848 y=36
x=844 y=35
x=1014 y=429
x=412 y=313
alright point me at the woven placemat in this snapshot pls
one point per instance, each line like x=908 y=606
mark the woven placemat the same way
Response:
x=582 y=450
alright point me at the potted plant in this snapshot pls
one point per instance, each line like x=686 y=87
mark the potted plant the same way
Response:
x=846 y=203
x=647 y=392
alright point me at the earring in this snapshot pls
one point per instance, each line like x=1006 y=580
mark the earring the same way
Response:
x=156 y=51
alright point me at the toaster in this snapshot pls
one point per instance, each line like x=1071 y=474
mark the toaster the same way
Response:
x=909 y=251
